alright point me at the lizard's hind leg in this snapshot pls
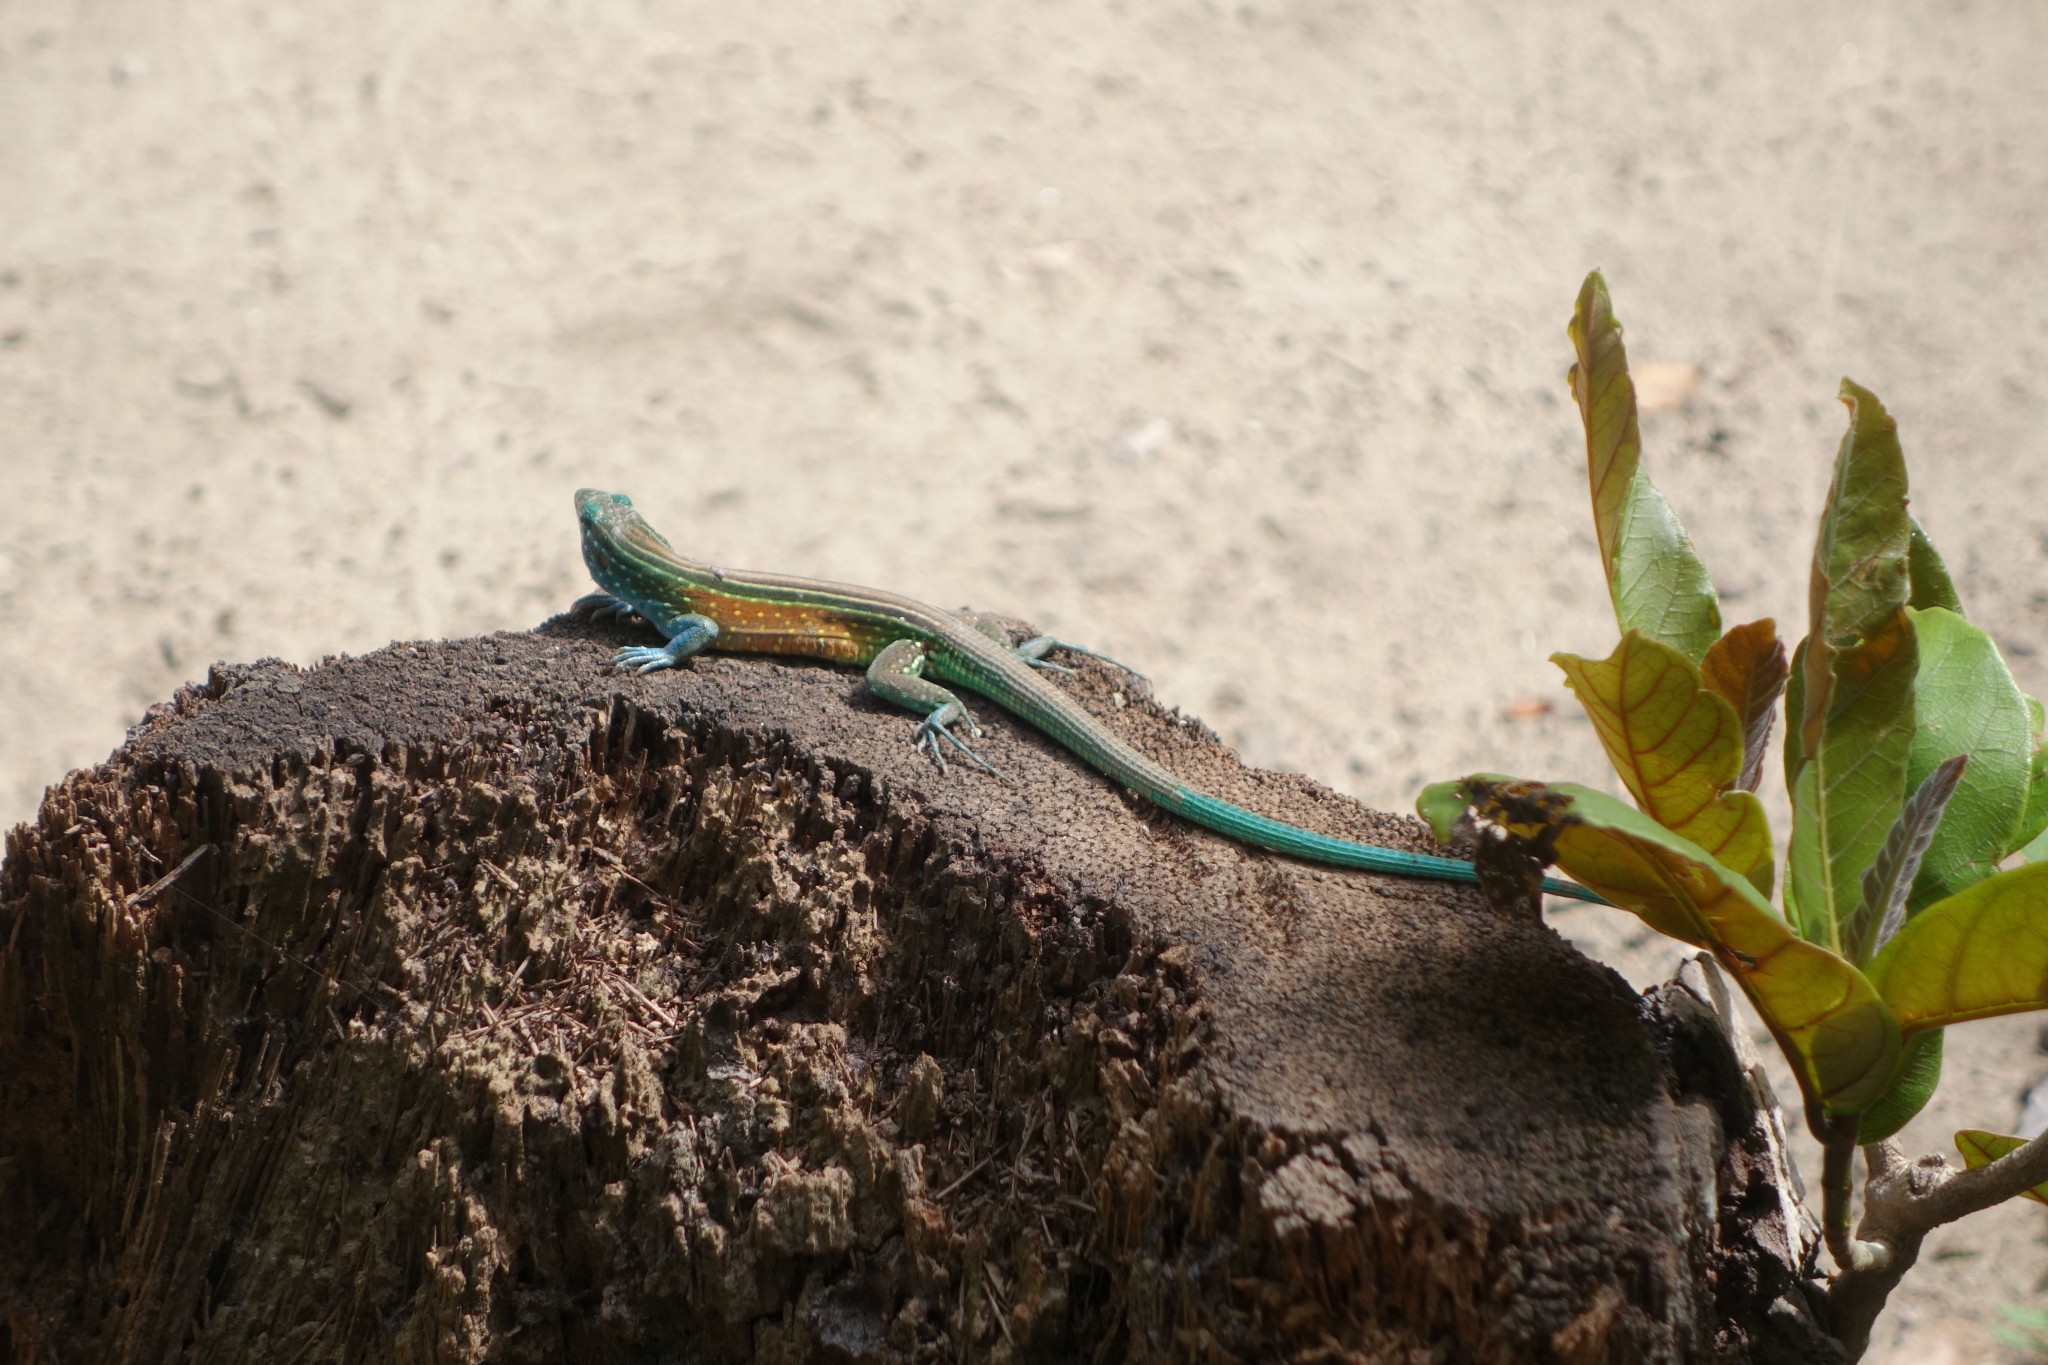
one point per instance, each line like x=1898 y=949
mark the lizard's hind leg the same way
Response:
x=1034 y=650
x=599 y=606
x=897 y=675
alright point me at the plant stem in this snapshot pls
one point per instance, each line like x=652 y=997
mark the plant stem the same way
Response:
x=1838 y=1188
x=1902 y=1202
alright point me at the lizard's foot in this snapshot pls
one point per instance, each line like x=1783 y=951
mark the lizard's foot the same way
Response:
x=1034 y=650
x=687 y=635
x=938 y=726
x=644 y=659
x=599 y=605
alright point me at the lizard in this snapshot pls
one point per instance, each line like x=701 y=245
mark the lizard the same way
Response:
x=909 y=649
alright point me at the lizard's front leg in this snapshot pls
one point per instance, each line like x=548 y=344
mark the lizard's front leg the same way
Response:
x=687 y=634
x=897 y=675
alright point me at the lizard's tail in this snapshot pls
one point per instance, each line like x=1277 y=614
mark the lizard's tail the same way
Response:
x=1242 y=824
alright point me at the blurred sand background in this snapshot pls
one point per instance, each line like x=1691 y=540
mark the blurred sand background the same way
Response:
x=1228 y=338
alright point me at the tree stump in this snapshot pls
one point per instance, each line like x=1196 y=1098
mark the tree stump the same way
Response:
x=467 y=1002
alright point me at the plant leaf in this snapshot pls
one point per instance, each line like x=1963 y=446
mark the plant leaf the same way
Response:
x=1677 y=747
x=2030 y=836
x=1918 y=1075
x=2033 y=821
x=1801 y=839
x=1658 y=584
x=1851 y=787
x=1860 y=558
x=1982 y=952
x=1855 y=687
x=1442 y=805
x=1882 y=910
x=1825 y=1014
x=1795 y=708
x=1932 y=586
x=1980 y=1148
x=1747 y=667
x=1965 y=702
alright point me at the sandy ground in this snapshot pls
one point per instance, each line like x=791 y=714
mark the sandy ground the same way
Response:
x=1227 y=338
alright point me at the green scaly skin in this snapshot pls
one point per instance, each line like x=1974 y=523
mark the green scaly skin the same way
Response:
x=905 y=645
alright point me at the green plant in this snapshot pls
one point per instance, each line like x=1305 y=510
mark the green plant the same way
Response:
x=2024 y=1329
x=1915 y=767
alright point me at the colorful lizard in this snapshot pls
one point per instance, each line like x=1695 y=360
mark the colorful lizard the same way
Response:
x=905 y=645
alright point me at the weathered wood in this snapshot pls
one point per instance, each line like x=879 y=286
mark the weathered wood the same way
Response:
x=515 y=1011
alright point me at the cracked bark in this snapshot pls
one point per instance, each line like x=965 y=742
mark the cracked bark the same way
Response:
x=514 y=1011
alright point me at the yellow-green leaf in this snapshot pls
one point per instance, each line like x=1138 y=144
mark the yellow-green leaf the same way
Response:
x=1824 y=1013
x=1658 y=584
x=1677 y=746
x=1980 y=1148
x=1981 y=952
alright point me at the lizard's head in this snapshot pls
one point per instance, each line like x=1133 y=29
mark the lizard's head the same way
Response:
x=597 y=509
x=623 y=553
